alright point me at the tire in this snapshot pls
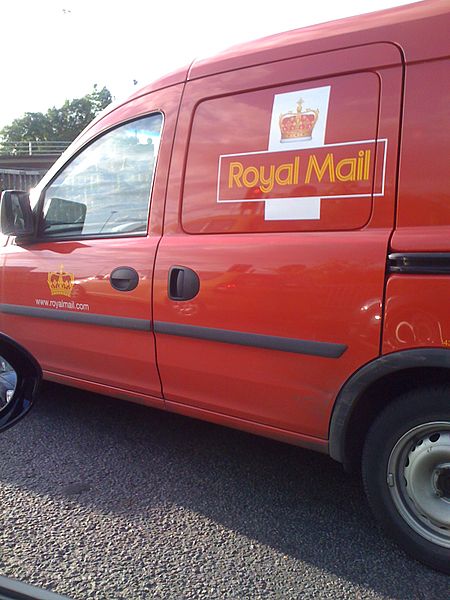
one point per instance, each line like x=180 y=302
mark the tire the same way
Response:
x=406 y=473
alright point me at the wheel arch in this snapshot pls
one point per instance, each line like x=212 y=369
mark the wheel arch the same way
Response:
x=371 y=388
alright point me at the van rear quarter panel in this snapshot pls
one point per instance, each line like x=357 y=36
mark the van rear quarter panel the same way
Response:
x=417 y=305
x=423 y=210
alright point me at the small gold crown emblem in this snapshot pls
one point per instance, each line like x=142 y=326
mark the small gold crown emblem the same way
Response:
x=60 y=283
x=298 y=125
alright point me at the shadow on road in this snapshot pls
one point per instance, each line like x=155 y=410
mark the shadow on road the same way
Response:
x=125 y=458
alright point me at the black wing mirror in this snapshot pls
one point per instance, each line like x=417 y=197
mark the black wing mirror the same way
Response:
x=16 y=216
x=20 y=376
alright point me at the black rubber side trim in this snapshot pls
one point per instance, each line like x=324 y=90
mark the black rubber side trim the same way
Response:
x=360 y=381
x=420 y=263
x=77 y=317
x=256 y=340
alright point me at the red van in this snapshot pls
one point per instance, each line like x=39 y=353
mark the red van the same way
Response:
x=262 y=240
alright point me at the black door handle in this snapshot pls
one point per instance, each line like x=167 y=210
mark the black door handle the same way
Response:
x=183 y=283
x=124 y=279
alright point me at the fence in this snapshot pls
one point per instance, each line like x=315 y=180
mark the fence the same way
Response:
x=19 y=179
x=32 y=148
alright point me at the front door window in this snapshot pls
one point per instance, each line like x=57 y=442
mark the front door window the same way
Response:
x=105 y=190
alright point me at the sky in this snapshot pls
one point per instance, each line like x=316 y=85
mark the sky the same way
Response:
x=55 y=50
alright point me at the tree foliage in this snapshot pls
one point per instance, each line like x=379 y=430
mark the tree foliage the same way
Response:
x=58 y=124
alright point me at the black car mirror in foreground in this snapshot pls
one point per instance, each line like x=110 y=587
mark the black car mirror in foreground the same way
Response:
x=10 y=589
x=16 y=216
x=20 y=376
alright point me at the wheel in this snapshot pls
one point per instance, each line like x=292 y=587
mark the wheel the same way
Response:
x=406 y=473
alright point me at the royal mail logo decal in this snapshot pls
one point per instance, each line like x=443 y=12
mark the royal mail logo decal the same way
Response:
x=60 y=283
x=328 y=171
x=298 y=170
x=298 y=125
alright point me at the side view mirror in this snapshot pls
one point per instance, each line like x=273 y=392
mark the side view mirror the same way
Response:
x=20 y=376
x=16 y=216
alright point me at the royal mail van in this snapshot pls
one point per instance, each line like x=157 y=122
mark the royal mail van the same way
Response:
x=262 y=240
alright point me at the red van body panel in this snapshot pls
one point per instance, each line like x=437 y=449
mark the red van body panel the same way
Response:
x=291 y=279
x=416 y=314
x=115 y=358
x=416 y=309
x=423 y=211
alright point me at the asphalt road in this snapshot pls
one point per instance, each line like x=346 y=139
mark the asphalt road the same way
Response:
x=104 y=499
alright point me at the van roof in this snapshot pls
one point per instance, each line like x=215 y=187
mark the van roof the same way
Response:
x=419 y=30
x=397 y=25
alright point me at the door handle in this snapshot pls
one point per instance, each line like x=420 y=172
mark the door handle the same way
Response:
x=183 y=283
x=124 y=279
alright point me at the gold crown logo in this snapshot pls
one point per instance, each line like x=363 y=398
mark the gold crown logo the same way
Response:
x=298 y=125
x=60 y=283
